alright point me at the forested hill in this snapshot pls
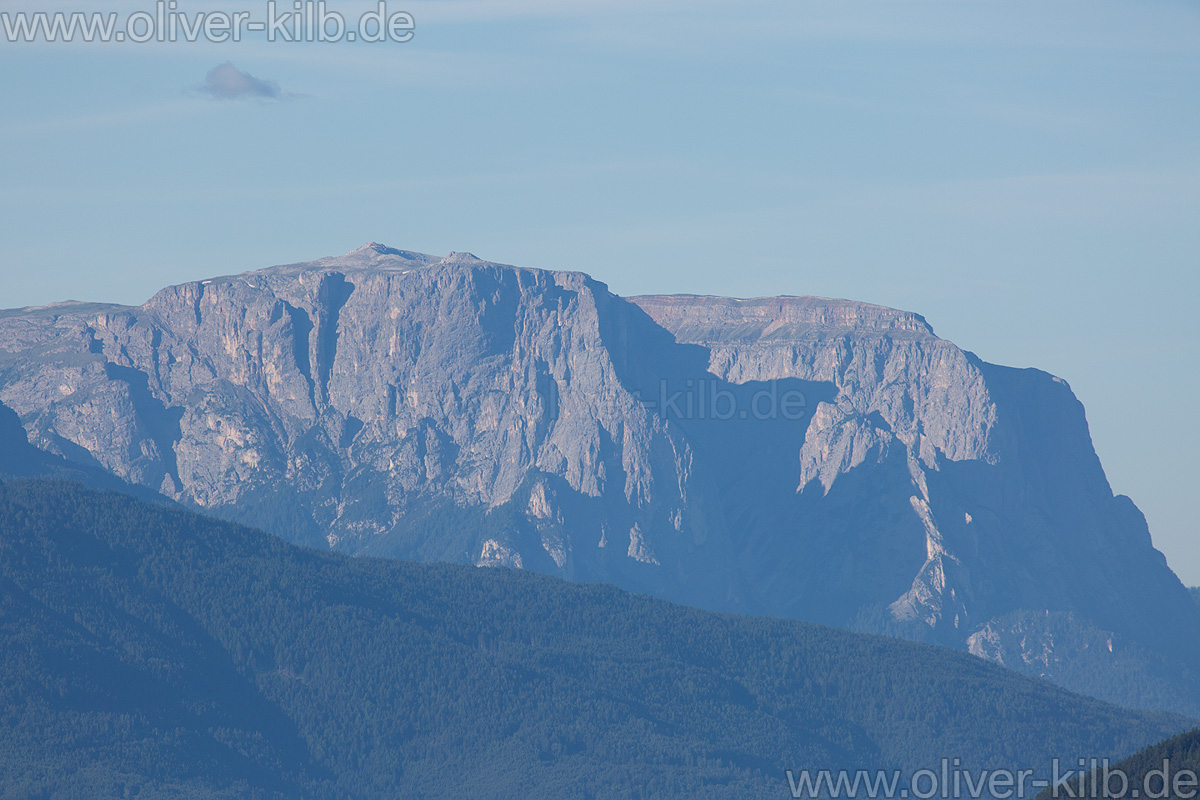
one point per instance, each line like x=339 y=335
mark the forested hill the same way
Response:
x=1176 y=759
x=150 y=652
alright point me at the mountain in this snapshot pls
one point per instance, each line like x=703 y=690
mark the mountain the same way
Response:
x=20 y=459
x=151 y=652
x=818 y=459
x=1167 y=770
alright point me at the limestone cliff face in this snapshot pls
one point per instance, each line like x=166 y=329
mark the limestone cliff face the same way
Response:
x=941 y=497
x=331 y=400
x=962 y=456
x=820 y=459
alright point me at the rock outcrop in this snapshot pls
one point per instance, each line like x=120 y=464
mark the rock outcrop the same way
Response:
x=819 y=459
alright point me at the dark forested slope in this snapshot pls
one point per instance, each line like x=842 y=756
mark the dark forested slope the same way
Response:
x=152 y=651
x=1167 y=770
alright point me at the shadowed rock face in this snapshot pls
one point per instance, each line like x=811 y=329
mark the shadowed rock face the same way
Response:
x=819 y=459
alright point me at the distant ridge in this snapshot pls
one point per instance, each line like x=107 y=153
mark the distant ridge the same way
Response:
x=701 y=319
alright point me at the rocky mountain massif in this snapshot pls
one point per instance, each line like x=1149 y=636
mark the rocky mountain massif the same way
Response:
x=818 y=459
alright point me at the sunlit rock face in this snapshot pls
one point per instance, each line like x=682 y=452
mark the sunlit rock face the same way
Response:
x=819 y=459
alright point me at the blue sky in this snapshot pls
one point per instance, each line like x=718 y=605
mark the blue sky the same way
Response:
x=1024 y=174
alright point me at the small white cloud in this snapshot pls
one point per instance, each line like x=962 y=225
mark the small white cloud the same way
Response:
x=227 y=82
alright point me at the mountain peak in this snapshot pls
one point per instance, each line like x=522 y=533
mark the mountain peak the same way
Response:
x=376 y=248
x=370 y=256
x=456 y=257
